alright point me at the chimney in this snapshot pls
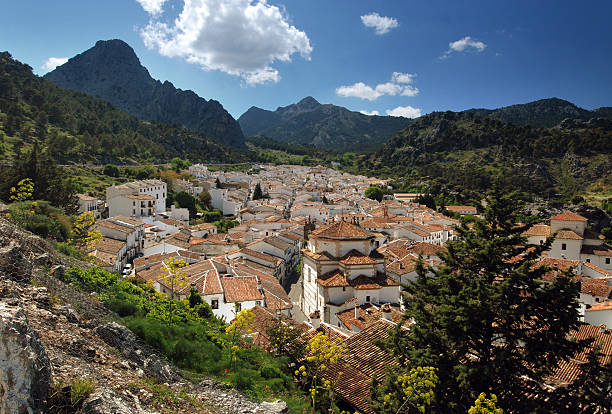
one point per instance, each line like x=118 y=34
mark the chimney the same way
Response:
x=386 y=312
x=356 y=312
x=315 y=319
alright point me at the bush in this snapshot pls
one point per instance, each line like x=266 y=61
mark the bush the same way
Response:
x=111 y=170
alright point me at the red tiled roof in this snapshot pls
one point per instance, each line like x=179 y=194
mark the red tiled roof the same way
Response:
x=355 y=257
x=569 y=216
x=367 y=283
x=342 y=230
x=595 y=287
x=240 y=289
x=568 y=235
x=333 y=279
x=538 y=230
x=569 y=370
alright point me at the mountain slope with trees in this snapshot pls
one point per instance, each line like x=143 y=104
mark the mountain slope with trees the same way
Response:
x=324 y=126
x=78 y=128
x=544 y=113
x=111 y=70
x=465 y=151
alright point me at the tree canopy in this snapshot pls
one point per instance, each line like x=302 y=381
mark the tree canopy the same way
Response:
x=485 y=319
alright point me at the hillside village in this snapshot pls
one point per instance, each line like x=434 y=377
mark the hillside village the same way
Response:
x=315 y=250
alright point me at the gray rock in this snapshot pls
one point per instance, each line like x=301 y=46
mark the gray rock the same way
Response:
x=13 y=264
x=105 y=401
x=274 y=407
x=128 y=344
x=25 y=371
x=71 y=315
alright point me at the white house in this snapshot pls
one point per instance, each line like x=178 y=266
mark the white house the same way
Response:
x=155 y=190
x=341 y=269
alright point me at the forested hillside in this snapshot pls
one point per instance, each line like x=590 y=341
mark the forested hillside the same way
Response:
x=79 y=128
x=465 y=151
x=326 y=127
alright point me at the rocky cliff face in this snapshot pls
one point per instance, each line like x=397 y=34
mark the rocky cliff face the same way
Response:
x=324 y=126
x=52 y=335
x=111 y=71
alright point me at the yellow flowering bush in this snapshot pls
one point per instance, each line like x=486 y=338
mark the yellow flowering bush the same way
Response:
x=412 y=392
x=484 y=405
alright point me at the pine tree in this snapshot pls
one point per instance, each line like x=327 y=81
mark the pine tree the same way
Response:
x=257 y=193
x=485 y=320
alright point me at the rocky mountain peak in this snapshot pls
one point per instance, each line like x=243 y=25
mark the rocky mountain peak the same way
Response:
x=111 y=70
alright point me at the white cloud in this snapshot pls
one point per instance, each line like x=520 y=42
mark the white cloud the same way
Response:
x=405 y=111
x=410 y=91
x=53 y=62
x=363 y=91
x=399 y=77
x=462 y=44
x=381 y=24
x=358 y=90
x=239 y=37
x=374 y=112
x=153 y=7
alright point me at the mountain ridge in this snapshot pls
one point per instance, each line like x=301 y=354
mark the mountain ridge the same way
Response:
x=111 y=71
x=325 y=126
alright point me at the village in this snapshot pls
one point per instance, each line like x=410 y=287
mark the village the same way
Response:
x=318 y=253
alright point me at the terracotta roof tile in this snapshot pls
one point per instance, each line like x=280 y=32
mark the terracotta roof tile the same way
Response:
x=595 y=287
x=342 y=230
x=603 y=250
x=568 y=235
x=355 y=257
x=538 y=230
x=569 y=216
x=240 y=289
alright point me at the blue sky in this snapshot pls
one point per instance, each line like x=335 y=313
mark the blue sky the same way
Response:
x=446 y=55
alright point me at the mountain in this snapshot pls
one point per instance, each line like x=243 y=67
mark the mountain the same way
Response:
x=111 y=70
x=545 y=113
x=464 y=151
x=78 y=128
x=325 y=126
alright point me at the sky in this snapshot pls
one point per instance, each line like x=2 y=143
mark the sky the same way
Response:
x=387 y=57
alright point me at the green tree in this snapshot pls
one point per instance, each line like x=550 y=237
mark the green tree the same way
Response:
x=374 y=193
x=205 y=200
x=111 y=170
x=175 y=279
x=186 y=200
x=257 y=193
x=485 y=320
x=178 y=164
x=51 y=183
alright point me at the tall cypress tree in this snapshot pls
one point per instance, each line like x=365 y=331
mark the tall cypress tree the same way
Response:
x=257 y=193
x=485 y=319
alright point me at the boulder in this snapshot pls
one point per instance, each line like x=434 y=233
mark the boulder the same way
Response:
x=120 y=337
x=13 y=264
x=25 y=372
x=103 y=401
x=274 y=407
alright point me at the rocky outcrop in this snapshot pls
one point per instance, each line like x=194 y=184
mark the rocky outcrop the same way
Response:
x=24 y=366
x=13 y=263
x=111 y=70
x=128 y=344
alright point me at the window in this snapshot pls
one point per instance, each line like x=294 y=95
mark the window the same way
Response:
x=368 y=298
x=343 y=288
x=258 y=302
x=588 y=260
x=563 y=246
x=607 y=260
x=214 y=303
